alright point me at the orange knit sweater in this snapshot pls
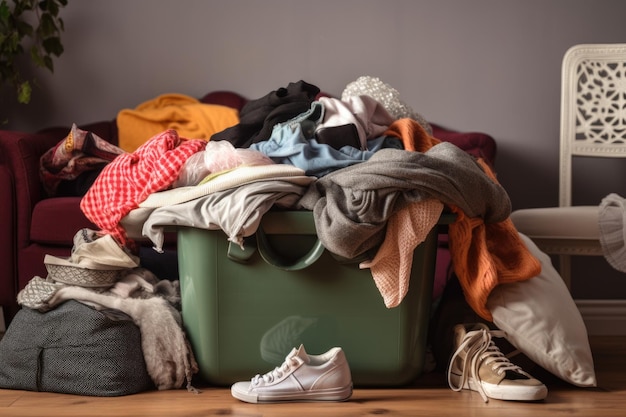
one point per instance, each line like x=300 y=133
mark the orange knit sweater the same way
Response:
x=484 y=255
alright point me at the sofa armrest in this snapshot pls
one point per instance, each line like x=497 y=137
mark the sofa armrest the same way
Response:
x=20 y=153
x=8 y=275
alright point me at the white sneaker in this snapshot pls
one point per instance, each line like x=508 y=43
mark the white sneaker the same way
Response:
x=478 y=365
x=301 y=377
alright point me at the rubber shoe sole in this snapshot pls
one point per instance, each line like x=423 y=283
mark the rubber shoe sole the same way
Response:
x=508 y=393
x=241 y=392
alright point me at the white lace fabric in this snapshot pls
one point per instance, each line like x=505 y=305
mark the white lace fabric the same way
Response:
x=385 y=94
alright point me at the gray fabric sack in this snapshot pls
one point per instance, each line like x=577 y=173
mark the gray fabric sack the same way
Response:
x=73 y=349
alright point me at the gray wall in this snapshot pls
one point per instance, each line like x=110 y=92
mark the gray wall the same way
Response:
x=484 y=65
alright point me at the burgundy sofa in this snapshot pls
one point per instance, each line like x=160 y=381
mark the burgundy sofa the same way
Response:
x=34 y=224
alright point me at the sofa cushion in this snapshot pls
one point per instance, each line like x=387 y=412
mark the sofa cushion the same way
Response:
x=55 y=221
x=7 y=245
x=225 y=98
x=477 y=144
x=106 y=129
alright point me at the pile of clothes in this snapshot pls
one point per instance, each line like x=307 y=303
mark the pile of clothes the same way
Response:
x=366 y=165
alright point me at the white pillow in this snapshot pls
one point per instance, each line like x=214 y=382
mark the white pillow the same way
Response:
x=541 y=319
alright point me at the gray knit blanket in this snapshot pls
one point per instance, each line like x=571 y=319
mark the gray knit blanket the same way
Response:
x=351 y=206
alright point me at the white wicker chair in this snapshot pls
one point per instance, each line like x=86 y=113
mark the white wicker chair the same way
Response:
x=593 y=124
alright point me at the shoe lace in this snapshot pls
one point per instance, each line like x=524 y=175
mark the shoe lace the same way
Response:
x=479 y=348
x=276 y=373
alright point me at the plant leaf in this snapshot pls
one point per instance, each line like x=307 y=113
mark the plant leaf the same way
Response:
x=53 y=46
x=48 y=63
x=24 y=92
x=36 y=57
x=47 y=27
x=4 y=11
x=23 y=28
x=30 y=27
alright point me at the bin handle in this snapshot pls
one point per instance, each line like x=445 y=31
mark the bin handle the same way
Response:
x=270 y=256
x=242 y=254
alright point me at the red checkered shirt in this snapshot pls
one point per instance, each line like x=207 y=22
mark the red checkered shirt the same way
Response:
x=130 y=178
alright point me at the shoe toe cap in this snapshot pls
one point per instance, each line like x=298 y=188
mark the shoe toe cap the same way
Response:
x=241 y=391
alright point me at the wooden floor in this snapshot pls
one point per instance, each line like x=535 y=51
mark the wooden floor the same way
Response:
x=429 y=396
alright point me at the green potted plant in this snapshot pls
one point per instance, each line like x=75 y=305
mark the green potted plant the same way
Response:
x=29 y=30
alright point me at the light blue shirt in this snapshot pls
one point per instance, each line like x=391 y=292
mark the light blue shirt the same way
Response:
x=288 y=144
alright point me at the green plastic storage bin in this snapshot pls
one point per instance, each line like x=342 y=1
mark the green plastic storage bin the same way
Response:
x=244 y=310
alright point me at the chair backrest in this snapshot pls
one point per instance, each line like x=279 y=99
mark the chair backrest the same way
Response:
x=593 y=107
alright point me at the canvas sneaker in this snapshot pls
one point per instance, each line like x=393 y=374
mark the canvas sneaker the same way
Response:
x=478 y=365
x=302 y=377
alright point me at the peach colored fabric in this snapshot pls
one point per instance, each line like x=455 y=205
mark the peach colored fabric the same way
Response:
x=406 y=228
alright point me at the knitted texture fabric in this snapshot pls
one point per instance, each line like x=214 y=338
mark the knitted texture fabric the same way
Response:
x=485 y=255
x=485 y=246
x=131 y=178
x=73 y=349
x=412 y=135
x=352 y=205
x=37 y=292
x=406 y=228
x=151 y=304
